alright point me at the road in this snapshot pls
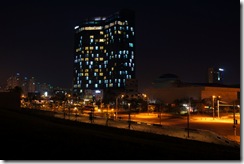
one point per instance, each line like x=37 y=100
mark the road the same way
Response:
x=222 y=126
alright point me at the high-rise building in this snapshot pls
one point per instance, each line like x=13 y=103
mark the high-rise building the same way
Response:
x=215 y=75
x=104 y=53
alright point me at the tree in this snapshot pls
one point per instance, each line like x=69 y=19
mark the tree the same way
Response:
x=17 y=89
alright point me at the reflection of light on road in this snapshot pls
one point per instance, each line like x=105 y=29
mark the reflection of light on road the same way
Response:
x=211 y=120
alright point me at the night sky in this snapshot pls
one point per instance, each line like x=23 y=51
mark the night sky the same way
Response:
x=179 y=37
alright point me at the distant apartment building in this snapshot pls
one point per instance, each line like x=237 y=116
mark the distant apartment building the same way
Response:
x=104 y=54
x=14 y=81
x=215 y=75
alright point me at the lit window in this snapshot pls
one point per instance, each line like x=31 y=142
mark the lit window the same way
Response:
x=91 y=36
x=100 y=74
x=96 y=85
x=101 y=32
x=91 y=48
x=130 y=44
x=101 y=40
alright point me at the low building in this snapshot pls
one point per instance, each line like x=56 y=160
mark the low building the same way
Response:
x=195 y=91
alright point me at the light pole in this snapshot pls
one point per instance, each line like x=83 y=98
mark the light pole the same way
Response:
x=218 y=105
x=117 y=105
x=213 y=106
x=129 y=116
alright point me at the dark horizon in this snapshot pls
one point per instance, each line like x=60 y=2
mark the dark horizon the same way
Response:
x=184 y=38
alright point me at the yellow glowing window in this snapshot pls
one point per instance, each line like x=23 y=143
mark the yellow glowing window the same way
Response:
x=78 y=49
x=91 y=36
x=91 y=48
x=100 y=74
x=96 y=70
x=101 y=47
x=86 y=48
x=86 y=59
x=105 y=51
x=96 y=59
x=120 y=23
x=111 y=24
x=86 y=70
x=119 y=32
x=82 y=59
x=101 y=59
x=101 y=40
x=86 y=74
x=101 y=32
x=104 y=77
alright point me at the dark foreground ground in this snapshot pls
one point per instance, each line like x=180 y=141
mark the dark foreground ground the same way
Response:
x=29 y=135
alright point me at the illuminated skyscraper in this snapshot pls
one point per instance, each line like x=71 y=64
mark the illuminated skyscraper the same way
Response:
x=104 y=52
x=215 y=75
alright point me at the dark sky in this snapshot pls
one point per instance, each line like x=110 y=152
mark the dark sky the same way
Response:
x=180 y=37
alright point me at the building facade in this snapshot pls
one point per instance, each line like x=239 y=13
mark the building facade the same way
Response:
x=215 y=75
x=170 y=94
x=104 y=53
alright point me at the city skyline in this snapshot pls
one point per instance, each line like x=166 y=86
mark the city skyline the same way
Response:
x=37 y=39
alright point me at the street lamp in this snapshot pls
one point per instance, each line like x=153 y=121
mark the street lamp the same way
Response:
x=129 y=116
x=213 y=105
x=218 y=98
x=117 y=106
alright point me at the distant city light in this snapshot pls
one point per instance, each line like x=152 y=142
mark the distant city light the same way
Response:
x=76 y=27
x=221 y=69
x=97 y=91
x=45 y=94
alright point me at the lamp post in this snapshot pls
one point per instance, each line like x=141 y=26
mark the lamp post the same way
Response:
x=213 y=105
x=129 y=116
x=218 y=105
x=234 y=125
x=117 y=105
